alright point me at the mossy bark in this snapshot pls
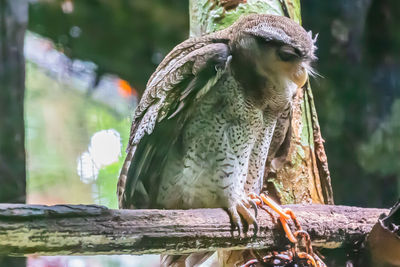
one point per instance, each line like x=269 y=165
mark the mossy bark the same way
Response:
x=96 y=230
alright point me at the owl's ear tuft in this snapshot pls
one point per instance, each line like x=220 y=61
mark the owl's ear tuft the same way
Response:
x=314 y=39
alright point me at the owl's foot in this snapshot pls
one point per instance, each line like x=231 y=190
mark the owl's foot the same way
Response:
x=284 y=214
x=240 y=212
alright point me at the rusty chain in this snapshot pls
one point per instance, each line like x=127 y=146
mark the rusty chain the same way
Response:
x=300 y=253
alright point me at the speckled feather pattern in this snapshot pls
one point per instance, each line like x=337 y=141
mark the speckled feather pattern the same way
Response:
x=225 y=137
x=226 y=144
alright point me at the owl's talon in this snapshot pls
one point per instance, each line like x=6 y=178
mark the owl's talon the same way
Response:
x=247 y=216
x=235 y=220
x=254 y=206
x=240 y=212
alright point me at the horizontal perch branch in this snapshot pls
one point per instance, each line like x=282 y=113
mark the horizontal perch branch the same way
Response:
x=91 y=229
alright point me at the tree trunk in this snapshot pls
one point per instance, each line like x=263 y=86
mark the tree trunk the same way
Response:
x=13 y=22
x=304 y=176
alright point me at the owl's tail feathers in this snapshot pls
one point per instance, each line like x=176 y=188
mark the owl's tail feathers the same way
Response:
x=188 y=260
x=229 y=258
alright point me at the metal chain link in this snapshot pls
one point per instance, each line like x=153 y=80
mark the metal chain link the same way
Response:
x=293 y=256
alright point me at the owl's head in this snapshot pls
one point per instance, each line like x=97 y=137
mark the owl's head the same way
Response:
x=276 y=44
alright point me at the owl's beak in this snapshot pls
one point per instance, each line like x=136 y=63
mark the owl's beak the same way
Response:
x=300 y=77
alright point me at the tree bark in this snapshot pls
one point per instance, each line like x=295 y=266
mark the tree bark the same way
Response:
x=304 y=175
x=13 y=22
x=94 y=230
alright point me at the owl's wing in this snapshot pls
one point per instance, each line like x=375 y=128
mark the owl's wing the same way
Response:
x=184 y=76
x=280 y=143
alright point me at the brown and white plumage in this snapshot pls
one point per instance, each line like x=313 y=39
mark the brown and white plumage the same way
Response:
x=201 y=134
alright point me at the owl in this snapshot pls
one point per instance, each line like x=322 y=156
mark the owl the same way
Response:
x=212 y=113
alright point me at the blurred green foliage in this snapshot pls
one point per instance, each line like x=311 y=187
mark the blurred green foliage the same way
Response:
x=128 y=38
x=359 y=59
x=382 y=149
x=59 y=123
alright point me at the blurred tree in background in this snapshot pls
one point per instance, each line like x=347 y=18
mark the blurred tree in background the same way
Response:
x=125 y=37
x=13 y=21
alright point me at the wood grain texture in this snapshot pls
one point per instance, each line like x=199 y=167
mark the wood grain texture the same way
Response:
x=95 y=230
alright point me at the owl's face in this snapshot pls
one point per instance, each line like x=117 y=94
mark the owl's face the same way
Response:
x=276 y=59
x=281 y=56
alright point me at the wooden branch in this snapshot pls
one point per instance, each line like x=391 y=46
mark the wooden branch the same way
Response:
x=91 y=229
